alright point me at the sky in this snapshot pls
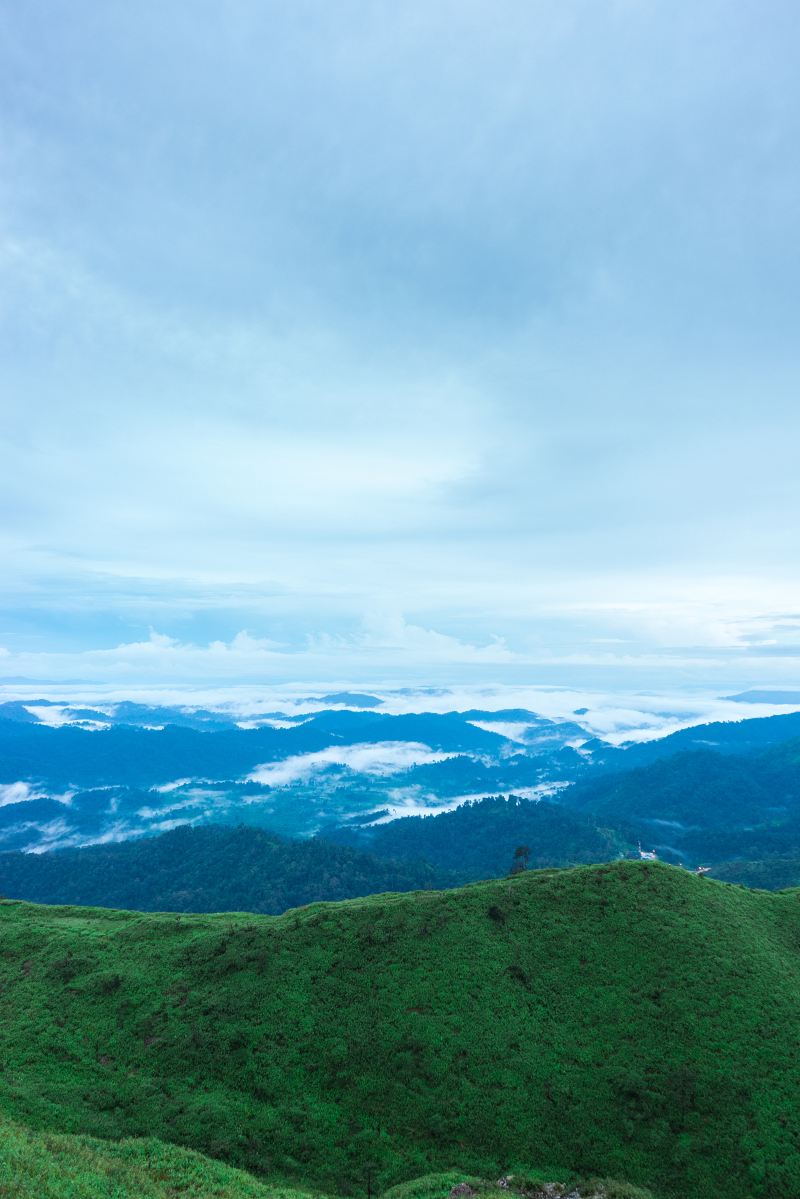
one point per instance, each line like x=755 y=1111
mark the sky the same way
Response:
x=432 y=340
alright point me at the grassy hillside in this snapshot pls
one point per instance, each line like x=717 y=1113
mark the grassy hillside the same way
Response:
x=627 y=1020
x=36 y=1165
x=211 y=869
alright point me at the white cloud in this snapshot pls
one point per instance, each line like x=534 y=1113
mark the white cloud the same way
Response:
x=56 y=834
x=394 y=633
x=55 y=716
x=382 y=644
x=616 y=714
x=513 y=730
x=390 y=637
x=412 y=801
x=21 y=792
x=382 y=758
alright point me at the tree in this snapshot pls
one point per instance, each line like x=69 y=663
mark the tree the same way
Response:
x=520 y=860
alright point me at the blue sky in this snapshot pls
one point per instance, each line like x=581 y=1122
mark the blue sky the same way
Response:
x=371 y=339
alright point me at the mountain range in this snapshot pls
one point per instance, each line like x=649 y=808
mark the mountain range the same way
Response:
x=440 y=812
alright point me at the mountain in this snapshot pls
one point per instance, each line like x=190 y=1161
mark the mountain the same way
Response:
x=700 y=788
x=478 y=839
x=724 y=737
x=143 y=757
x=211 y=869
x=218 y=868
x=68 y=785
x=630 y=1020
x=702 y=805
x=65 y=785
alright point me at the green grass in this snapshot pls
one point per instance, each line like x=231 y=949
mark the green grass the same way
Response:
x=51 y=1166
x=41 y=1165
x=629 y=1020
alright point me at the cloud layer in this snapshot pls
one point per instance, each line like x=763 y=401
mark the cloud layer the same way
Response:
x=379 y=758
x=453 y=336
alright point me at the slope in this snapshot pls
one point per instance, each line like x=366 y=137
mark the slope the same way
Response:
x=51 y=1166
x=703 y=805
x=210 y=869
x=724 y=736
x=625 y=1020
x=478 y=839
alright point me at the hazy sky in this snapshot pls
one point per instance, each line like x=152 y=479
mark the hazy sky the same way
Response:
x=427 y=337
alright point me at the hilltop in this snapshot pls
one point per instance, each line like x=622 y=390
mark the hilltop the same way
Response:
x=629 y=1020
x=52 y=1166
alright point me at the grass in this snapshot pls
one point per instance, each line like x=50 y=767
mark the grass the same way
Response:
x=36 y=1165
x=629 y=1020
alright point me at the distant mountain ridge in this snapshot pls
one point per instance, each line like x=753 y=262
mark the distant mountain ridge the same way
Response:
x=65 y=785
x=702 y=804
x=339 y=767
x=724 y=736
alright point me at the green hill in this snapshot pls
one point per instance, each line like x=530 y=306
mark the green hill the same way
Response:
x=209 y=869
x=628 y=1020
x=478 y=839
x=751 y=736
x=36 y=1165
x=702 y=806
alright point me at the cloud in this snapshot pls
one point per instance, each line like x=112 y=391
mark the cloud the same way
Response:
x=513 y=371
x=513 y=730
x=12 y=793
x=617 y=714
x=387 y=636
x=382 y=645
x=381 y=758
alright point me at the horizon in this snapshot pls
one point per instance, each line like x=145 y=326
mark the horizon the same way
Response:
x=614 y=716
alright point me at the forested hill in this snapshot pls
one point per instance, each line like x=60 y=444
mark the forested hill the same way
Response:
x=629 y=1020
x=209 y=869
x=724 y=736
x=478 y=839
x=219 y=869
x=702 y=805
